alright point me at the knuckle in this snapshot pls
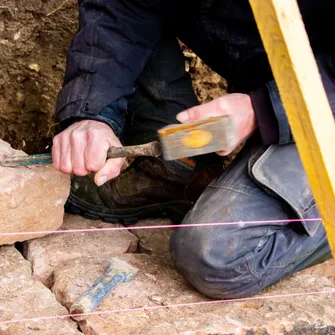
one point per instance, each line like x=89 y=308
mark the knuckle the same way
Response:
x=65 y=165
x=91 y=135
x=93 y=166
x=76 y=135
x=55 y=161
x=55 y=140
x=221 y=105
x=78 y=171
x=66 y=169
x=196 y=113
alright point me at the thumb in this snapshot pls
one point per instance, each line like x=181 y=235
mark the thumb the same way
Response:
x=201 y=112
x=110 y=170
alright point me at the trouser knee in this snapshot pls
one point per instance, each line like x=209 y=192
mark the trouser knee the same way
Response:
x=222 y=277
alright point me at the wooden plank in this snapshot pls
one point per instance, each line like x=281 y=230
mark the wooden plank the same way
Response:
x=304 y=98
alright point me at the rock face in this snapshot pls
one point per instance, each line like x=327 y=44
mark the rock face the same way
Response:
x=157 y=284
x=32 y=199
x=22 y=297
x=153 y=241
x=326 y=269
x=50 y=251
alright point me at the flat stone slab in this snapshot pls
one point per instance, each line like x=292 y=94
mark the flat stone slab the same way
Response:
x=32 y=198
x=326 y=269
x=23 y=297
x=48 y=252
x=158 y=284
x=153 y=241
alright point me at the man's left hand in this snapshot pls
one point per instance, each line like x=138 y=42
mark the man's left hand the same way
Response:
x=237 y=105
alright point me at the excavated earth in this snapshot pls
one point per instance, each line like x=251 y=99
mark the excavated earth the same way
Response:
x=42 y=277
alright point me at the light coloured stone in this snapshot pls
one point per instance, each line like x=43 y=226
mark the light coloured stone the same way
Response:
x=22 y=297
x=50 y=251
x=158 y=278
x=32 y=198
x=326 y=269
x=153 y=241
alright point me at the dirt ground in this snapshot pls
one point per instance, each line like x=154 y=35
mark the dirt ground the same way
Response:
x=33 y=49
x=34 y=39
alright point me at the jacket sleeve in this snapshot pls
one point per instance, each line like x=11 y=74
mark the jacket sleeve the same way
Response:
x=114 y=41
x=326 y=64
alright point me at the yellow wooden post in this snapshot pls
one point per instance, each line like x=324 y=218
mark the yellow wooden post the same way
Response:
x=295 y=71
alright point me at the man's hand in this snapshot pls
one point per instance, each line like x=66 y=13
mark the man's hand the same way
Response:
x=82 y=148
x=237 y=105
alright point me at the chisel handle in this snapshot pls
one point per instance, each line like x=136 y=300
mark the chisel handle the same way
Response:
x=92 y=298
x=117 y=272
x=152 y=149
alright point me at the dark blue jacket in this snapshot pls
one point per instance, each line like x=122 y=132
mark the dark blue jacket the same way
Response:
x=116 y=38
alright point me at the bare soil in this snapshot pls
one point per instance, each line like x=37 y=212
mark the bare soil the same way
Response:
x=33 y=50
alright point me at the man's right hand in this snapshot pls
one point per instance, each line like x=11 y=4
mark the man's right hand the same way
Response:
x=82 y=149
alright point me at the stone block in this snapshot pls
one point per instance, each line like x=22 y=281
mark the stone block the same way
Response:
x=22 y=297
x=32 y=198
x=153 y=241
x=48 y=252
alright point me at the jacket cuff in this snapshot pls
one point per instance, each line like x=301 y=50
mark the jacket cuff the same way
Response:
x=113 y=115
x=266 y=119
x=68 y=122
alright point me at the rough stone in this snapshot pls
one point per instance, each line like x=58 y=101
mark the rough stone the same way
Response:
x=153 y=241
x=50 y=251
x=326 y=269
x=32 y=199
x=158 y=278
x=22 y=297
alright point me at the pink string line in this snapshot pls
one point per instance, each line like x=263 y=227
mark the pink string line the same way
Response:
x=148 y=308
x=157 y=227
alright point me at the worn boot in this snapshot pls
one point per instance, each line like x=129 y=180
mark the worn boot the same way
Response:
x=147 y=189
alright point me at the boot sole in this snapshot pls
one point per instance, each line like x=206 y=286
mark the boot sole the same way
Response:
x=174 y=210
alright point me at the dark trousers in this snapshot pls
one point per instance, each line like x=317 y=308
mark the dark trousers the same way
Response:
x=263 y=183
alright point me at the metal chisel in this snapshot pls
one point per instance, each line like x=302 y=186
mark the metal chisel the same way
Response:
x=149 y=149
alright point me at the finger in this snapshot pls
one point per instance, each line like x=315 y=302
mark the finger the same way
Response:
x=78 y=144
x=95 y=152
x=110 y=170
x=65 y=155
x=224 y=153
x=202 y=112
x=55 y=153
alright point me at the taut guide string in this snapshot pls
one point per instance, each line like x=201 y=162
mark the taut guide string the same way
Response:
x=158 y=227
x=148 y=308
